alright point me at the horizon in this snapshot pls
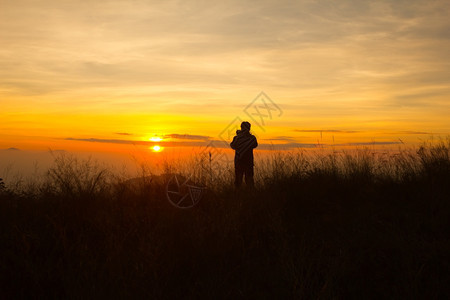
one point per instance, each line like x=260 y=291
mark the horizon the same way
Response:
x=132 y=161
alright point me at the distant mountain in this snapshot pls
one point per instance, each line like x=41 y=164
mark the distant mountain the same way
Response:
x=12 y=149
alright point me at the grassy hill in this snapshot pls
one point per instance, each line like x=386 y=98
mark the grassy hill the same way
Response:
x=343 y=225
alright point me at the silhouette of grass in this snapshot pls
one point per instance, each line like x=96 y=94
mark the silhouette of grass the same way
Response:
x=342 y=225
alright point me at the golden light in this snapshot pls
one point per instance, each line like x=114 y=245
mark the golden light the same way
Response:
x=157 y=148
x=156 y=139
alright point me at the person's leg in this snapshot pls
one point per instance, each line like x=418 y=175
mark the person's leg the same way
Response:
x=249 y=181
x=239 y=173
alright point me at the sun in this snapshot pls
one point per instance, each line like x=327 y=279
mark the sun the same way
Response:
x=155 y=139
x=157 y=148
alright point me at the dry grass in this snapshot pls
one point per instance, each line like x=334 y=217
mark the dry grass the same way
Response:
x=341 y=225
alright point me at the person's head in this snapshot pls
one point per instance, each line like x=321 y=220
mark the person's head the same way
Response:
x=245 y=126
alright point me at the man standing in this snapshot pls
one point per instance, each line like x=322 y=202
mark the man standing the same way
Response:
x=243 y=143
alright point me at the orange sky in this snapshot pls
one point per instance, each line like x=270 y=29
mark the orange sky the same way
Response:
x=104 y=75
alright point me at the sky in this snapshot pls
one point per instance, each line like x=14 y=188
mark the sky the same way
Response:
x=106 y=75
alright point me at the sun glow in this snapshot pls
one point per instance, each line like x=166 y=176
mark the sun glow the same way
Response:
x=157 y=148
x=155 y=139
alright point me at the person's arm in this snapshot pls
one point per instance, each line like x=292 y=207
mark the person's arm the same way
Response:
x=233 y=144
x=255 y=142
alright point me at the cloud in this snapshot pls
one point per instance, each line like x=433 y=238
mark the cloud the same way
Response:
x=282 y=138
x=285 y=146
x=116 y=44
x=410 y=132
x=112 y=141
x=370 y=143
x=142 y=143
x=290 y=146
x=211 y=143
x=326 y=131
x=123 y=133
x=186 y=136
x=193 y=141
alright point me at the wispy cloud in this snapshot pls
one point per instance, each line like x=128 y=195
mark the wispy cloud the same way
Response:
x=141 y=143
x=111 y=141
x=410 y=132
x=285 y=146
x=194 y=143
x=326 y=131
x=370 y=143
x=290 y=146
x=282 y=138
x=123 y=133
x=186 y=136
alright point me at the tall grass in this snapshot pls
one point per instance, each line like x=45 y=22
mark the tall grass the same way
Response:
x=347 y=224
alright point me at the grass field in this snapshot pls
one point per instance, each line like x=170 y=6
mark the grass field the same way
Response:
x=355 y=225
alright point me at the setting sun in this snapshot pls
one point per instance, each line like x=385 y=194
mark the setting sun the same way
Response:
x=157 y=148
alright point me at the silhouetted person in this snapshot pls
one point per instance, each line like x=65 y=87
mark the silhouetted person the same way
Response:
x=243 y=143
